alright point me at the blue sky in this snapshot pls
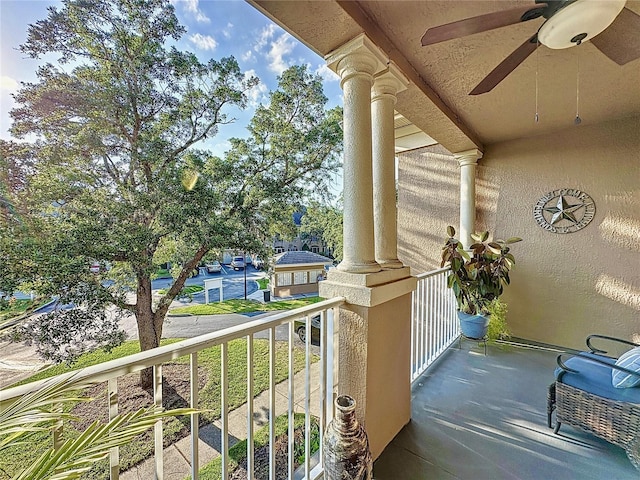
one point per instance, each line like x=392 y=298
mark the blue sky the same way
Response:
x=215 y=29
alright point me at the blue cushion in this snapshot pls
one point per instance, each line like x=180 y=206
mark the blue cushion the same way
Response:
x=631 y=361
x=595 y=378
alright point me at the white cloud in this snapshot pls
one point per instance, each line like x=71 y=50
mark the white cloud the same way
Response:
x=265 y=36
x=203 y=42
x=8 y=84
x=326 y=73
x=248 y=56
x=282 y=46
x=192 y=7
x=258 y=94
x=227 y=30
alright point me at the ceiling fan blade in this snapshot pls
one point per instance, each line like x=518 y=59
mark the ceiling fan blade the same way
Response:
x=482 y=23
x=621 y=40
x=507 y=66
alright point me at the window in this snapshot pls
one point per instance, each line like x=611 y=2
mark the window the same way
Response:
x=284 y=279
x=315 y=276
x=315 y=249
x=299 y=278
x=279 y=250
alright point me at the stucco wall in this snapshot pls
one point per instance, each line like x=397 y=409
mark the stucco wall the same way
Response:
x=564 y=286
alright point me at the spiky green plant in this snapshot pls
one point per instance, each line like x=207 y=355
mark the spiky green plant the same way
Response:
x=44 y=410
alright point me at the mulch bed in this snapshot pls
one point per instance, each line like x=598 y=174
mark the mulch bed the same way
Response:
x=176 y=392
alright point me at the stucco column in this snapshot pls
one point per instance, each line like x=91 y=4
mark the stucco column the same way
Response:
x=356 y=63
x=468 y=161
x=383 y=99
x=375 y=321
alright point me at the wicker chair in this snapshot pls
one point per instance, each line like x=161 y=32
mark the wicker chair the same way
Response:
x=583 y=396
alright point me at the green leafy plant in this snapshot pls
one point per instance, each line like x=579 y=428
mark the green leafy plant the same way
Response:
x=46 y=408
x=477 y=277
x=498 y=328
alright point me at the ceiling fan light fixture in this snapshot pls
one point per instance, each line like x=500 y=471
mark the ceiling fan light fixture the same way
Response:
x=579 y=21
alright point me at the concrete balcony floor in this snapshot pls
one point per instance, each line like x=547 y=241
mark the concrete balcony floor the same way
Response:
x=484 y=418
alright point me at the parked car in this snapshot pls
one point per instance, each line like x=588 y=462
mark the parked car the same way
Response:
x=237 y=263
x=213 y=267
x=300 y=328
x=258 y=264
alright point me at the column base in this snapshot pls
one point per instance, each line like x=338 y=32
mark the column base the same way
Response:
x=361 y=267
x=392 y=263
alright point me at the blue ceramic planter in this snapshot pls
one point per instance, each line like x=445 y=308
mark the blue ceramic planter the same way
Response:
x=473 y=326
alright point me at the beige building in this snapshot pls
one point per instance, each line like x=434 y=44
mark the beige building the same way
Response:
x=296 y=272
x=500 y=154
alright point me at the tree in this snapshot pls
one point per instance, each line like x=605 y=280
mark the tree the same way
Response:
x=293 y=143
x=324 y=221
x=115 y=176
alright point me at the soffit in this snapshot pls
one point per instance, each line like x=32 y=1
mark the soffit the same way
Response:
x=437 y=101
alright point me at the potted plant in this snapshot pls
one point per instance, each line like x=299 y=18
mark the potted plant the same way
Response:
x=477 y=277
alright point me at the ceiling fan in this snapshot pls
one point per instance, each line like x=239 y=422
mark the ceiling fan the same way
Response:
x=609 y=25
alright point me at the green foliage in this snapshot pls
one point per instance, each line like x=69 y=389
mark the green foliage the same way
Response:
x=109 y=171
x=293 y=144
x=13 y=307
x=478 y=277
x=42 y=411
x=324 y=221
x=209 y=396
x=498 y=328
x=263 y=283
x=314 y=444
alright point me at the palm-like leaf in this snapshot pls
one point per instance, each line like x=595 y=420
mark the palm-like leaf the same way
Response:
x=76 y=456
x=43 y=410
x=39 y=410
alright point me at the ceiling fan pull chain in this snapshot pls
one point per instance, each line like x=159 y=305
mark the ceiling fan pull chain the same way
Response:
x=577 y=120
x=537 y=117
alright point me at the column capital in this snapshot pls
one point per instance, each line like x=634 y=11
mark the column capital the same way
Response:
x=358 y=56
x=468 y=157
x=389 y=81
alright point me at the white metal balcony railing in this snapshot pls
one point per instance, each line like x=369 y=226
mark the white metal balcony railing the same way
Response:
x=434 y=324
x=328 y=311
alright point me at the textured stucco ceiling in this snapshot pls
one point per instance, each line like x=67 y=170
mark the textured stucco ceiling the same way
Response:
x=443 y=74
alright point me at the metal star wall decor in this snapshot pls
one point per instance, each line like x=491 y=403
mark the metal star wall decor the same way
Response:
x=564 y=211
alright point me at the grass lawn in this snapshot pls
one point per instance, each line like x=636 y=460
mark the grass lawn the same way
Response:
x=244 y=306
x=11 y=459
x=262 y=283
x=188 y=290
x=17 y=307
x=161 y=273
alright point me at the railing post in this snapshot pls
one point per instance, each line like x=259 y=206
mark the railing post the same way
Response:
x=195 y=417
x=114 y=453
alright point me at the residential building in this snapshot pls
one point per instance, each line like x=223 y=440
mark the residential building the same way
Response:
x=296 y=272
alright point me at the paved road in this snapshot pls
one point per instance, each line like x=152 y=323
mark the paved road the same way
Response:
x=233 y=283
x=187 y=326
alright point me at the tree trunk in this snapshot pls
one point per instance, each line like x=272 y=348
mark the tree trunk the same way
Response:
x=149 y=328
x=150 y=322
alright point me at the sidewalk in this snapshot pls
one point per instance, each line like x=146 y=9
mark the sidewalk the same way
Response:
x=177 y=456
x=18 y=362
